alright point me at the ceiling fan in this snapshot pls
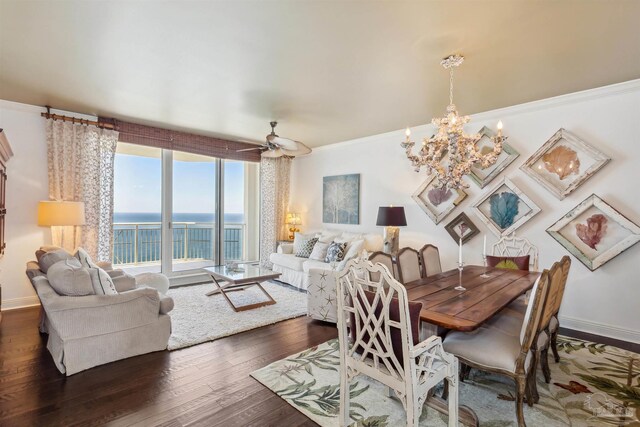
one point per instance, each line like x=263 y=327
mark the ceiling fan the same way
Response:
x=276 y=146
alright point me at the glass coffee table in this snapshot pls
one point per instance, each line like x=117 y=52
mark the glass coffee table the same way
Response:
x=238 y=279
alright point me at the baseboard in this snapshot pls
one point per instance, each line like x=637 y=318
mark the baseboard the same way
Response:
x=14 y=303
x=601 y=329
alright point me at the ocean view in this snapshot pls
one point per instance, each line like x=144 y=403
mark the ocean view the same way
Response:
x=137 y=236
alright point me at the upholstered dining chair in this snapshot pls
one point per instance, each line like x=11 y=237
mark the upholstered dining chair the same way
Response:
x=384 y=259
x=512 y=246
x=503 y=345
x=430 y=256
x=408 y=265
x=377 y=340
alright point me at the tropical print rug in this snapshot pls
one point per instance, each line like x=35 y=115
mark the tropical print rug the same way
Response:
x=593 y=385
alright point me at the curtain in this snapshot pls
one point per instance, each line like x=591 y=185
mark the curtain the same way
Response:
x=80 y=162
x=274 y=201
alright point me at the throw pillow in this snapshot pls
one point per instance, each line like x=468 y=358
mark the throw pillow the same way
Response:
x=85 y=259
x=509 y=262
x=69 y=278
x=306 y=247
x=336 y=252
x=48 y=259
x=353 y=249
x=394 y=314
x=319 y=252
x=101 y=282
x=299 y=239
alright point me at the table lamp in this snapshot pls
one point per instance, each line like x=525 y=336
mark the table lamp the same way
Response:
x=293 y=221
x=391 y=218
x=58 y=214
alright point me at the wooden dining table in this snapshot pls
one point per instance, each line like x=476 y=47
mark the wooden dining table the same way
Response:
x=466 y=310
x=445 y=308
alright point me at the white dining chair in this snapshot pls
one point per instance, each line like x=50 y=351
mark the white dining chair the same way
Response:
x=512 y=246
x=376 y=340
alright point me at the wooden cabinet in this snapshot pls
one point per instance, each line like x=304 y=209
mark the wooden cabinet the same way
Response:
x=5 y=155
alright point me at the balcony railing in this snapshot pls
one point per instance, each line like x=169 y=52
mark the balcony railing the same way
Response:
x=137 y=243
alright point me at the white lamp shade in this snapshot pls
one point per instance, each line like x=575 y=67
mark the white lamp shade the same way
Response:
x=53 y=213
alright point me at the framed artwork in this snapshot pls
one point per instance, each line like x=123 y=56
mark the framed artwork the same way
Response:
x=505 y=208
x=594 y=232
x=437 y=203
x=483 y=176
x=462 y=226
x=341 y=199
x=563 y=163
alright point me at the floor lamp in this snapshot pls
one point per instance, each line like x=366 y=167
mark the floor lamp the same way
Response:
x=57 y=215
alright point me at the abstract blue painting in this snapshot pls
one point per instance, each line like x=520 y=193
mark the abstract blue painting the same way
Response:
x=341 y=199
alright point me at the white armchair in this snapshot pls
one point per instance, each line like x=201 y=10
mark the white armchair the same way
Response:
x=376 y=340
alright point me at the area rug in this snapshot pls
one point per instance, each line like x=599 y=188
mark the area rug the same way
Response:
x=593 y=384
x=197 y=318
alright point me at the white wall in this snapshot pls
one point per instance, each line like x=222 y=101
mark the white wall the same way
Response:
x=27 y=183
x=605 y=302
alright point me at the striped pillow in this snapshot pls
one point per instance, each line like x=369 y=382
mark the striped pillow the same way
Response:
x=306 y=247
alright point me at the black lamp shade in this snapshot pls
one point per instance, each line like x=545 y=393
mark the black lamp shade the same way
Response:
x=391 y=216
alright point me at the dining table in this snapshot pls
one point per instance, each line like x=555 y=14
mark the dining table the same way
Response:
x=486 y=292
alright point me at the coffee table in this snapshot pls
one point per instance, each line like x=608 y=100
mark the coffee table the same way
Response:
x=238 y=279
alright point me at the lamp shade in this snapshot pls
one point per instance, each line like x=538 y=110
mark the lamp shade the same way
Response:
x=389 y=216
x=54 y=213
x=293 y=219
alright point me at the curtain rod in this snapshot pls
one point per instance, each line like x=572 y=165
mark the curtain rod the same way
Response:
x=86 y=122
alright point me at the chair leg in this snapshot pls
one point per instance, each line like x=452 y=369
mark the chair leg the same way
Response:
x=464 y=372
x=413 y=414
x=533 y=395
x=521 y=382
x=554 y=345
x=344 y=419
x=445 y=391
x=452 y=384
x=544 y=359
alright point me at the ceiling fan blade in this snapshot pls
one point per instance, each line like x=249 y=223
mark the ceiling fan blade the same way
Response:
x=287 y=144
x=300 y=150
x=273 y=153
x=251 y=149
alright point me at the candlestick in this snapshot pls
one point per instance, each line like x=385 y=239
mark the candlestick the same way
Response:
x=484 y=259
x=460 y=251
x=460 y=287
x=484 y=247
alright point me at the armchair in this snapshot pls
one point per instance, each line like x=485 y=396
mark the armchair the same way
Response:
x=87 y=331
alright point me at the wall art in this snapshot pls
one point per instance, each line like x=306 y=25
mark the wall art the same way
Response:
x=594 y=232
x=563 y=163
x=505 y=208
x=462 y=226
x=341 y=199
x=436 y=202
x=483 y=176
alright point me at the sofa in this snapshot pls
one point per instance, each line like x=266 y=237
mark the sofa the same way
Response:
x=90 y=330
x=318 y=277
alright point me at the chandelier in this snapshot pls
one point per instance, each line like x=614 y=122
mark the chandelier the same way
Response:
x=451 y=153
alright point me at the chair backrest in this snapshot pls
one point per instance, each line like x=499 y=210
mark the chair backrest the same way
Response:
x=566 y=265
x=408 y=264
x=532 y=317
x=371 y=319
x=384 y=259
x=430 y=260
x=517 y=246
x=555 y=286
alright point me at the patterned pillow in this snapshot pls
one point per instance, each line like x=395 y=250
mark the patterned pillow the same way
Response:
x=319 y=252
x=306 y=247
x=336 y=252
x=509 y=262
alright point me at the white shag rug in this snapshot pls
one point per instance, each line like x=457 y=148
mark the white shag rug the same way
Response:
x=197 y=318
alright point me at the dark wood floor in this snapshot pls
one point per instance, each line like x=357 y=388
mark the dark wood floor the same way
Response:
x=207 y=385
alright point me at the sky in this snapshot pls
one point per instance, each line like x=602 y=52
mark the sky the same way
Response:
x=137 y=186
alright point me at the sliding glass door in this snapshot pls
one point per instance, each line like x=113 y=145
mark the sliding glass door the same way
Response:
x=177 y=212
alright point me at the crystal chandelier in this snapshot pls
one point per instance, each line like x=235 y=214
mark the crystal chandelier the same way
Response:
x=451 y=153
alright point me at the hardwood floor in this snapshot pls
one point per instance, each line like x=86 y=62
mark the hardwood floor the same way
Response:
x=204 y=385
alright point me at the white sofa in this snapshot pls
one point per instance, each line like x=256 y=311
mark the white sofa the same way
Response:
x=317 y=277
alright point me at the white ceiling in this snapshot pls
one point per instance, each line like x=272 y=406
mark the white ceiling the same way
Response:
x=328 y=71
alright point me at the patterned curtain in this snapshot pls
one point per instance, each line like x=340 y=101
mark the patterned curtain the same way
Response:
x=80 y=161
x=274 y=202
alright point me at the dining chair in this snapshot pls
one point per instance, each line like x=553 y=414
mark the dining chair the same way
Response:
x=513 y=246
x=384 y=259
x=377 y=339
x=498 y=347
x=408 y=265
x=430 y=260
